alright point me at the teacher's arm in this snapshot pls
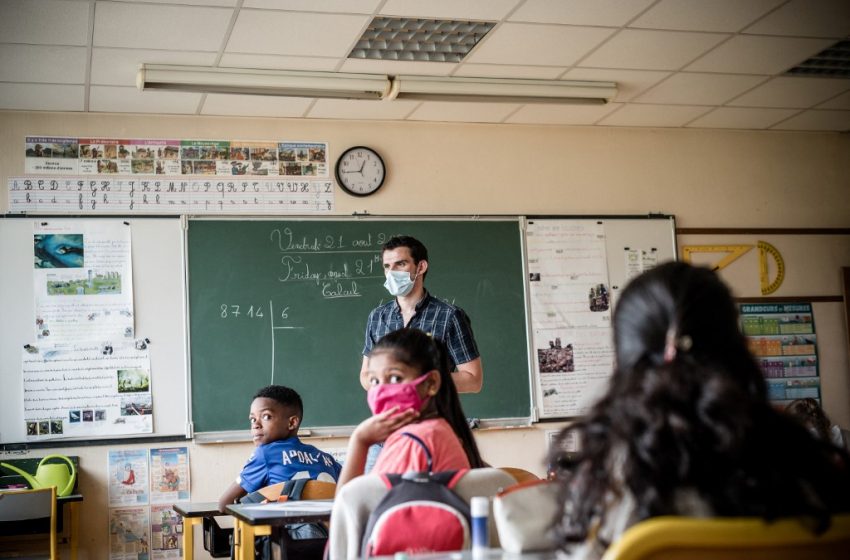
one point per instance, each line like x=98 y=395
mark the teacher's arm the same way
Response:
x=469 y=377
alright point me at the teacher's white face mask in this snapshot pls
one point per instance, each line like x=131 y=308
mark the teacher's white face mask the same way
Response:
x=399 y=283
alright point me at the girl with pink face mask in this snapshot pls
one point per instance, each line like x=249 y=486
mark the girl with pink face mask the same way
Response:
x=411 y=393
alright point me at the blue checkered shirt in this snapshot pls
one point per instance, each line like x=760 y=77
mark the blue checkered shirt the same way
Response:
x=441 y=320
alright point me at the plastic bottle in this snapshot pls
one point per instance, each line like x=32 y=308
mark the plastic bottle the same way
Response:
x=480 y=508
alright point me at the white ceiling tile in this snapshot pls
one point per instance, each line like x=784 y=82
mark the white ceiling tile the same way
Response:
x=463 y=112
x=747 y=54
x=840 y=102
x=701 y=89
x=450 y=9
x=111 y=99
x=295 y=33
x=629 y=82
x=561 y=114
x=653 y=115
x=344 y=6
x=792 y=92
x=546 y=45
x=396 y=67
x=118 y=67
x=807 y=18
x=505 y=71
x=154 y=26
x=612 y=13
x=356 y=109
x=42 y=97
x=220 y=3
x=817 y=120
x=277 y=62
x=44 y=22
x=741 y=118
x=41 y=63
x=651 y=50
x=699 y=15
x=255 y=105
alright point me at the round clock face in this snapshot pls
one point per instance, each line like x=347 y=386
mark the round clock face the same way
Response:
x=360 y=171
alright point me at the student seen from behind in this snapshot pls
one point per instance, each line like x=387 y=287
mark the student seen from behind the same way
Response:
x=411 y=391
x=276 y=413
x=686 y=428
x=810 y=414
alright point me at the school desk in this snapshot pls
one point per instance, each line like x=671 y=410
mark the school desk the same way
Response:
x=193 y=513
x=72 y=529
x=256 y=520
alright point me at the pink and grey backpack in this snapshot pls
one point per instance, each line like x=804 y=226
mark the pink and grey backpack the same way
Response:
x=420 y=513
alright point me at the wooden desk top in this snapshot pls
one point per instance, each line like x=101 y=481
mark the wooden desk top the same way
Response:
x=282 y=513
x=197 y=509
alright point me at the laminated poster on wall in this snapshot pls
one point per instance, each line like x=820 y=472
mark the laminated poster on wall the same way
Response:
x=82 y=281
x=782 y=338
x=129 y=533
x=571 y=314
x=166 y=533
x=128 y=477
x=169 y=475
x=86 y=390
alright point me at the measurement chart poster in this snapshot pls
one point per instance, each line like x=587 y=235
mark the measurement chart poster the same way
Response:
x=782 y=338
x=82 y=280
x=571 y=314
x=166 y=533
x=86 y=390
x=129 y=533
x=56 y=155
x=169 y=475
x=128 y=477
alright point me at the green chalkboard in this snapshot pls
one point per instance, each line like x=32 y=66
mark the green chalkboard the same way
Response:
x=286 y=302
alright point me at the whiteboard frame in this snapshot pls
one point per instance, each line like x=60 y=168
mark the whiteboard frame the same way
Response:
x=159 y=295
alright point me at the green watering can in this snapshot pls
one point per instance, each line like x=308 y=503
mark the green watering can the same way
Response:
x=47 y=475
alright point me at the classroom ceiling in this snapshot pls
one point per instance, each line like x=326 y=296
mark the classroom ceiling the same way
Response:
x=677 y=63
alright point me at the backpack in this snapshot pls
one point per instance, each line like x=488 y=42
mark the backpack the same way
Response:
x=420 y=513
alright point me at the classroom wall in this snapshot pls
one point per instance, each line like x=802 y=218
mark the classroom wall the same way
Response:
x=706 y=178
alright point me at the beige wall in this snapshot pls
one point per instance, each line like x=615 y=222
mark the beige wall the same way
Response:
x=704 y=178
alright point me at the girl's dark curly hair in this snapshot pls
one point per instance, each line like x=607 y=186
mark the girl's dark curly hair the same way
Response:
x=687 y=409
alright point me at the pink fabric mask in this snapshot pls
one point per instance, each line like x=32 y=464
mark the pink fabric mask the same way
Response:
x=403 y=395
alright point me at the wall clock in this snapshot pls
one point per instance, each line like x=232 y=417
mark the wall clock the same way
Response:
x=360 y=171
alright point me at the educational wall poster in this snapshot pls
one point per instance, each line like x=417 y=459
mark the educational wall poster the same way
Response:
x=166 y=533
x=170 y=195
x=782 y=338
x=169 y=475
x=128 y=477
x=639 y=260
x=86 y=390
x=129 y=537
x=83 y=280
x=571 y=314
x=57 y=155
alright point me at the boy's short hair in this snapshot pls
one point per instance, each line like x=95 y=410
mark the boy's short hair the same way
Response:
x=284 y=395
x=417 y=250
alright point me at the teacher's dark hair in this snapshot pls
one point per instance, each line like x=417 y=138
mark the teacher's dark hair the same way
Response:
x=687 y=410
x=417 y=249
x=421 y=351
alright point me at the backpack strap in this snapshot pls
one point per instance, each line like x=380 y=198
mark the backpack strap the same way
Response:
x=427 y=451
x=293 y=488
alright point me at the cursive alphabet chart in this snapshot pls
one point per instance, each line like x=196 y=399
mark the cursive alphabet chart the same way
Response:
x=169 y=195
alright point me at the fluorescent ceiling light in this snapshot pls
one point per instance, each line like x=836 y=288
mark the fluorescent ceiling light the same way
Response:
x=292 y=83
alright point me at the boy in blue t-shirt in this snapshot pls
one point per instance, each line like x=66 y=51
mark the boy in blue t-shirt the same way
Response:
x=276 y=413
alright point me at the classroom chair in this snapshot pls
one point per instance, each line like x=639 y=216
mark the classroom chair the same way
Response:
x=30 y=512
x=313 y=490
x=520 y=475
x=731 y=538
x=356 y=500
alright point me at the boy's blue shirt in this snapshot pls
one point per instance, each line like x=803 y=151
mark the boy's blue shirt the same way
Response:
x=284 y=460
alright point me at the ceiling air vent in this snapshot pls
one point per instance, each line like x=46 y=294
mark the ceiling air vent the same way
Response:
x=426 y=40
x=832 y=62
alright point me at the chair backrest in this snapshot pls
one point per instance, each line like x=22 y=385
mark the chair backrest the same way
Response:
x=17 y=506
x=736 y=538
x=358 y=498
x=520 y=475
x=313 y=490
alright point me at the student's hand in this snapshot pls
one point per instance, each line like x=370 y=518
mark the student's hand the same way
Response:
x=380 y=426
